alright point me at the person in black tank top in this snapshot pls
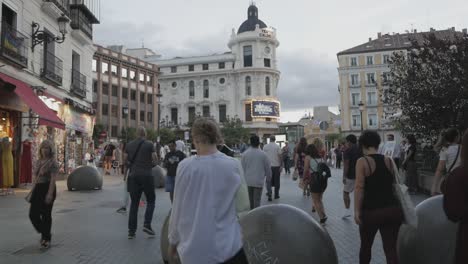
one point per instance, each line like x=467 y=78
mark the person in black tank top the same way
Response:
x=376 y=207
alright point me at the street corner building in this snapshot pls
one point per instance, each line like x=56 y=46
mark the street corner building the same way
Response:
x=45 y=79
x=241 y=82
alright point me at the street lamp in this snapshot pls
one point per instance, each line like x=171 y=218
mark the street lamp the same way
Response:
x=158 y=96
x=125 y=114
x=361 y=109
x=40 y=36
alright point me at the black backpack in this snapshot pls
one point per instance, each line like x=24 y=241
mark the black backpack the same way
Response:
x=323 y=171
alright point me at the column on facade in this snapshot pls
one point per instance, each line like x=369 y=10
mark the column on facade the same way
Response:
x=137 y=99
x=120 y=100
x=109 y=98
x=99 y=88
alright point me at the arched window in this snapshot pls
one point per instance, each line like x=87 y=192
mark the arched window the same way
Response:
x=191 y=89
x=206 y=89
x=267 y=86
x=248 y=86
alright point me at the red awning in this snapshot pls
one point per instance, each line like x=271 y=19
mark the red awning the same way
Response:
x=47 y=117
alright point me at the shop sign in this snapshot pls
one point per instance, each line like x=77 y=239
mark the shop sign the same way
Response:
x=78 y=121
x=266 y=33
x=269 y=109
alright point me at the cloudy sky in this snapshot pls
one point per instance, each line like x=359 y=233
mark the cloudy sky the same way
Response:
x=310 y=32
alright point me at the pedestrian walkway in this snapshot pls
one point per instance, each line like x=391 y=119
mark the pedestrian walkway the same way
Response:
x=87 y=229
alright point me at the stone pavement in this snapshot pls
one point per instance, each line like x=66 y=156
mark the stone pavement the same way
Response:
x=86 y=228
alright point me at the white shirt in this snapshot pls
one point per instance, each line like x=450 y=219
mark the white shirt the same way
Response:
x=204 y=223
x=273 y=152
x=449 y=154
x=180 y=145
x=256 y=167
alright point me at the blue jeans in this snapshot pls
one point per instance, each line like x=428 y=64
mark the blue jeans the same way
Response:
x=136 y=186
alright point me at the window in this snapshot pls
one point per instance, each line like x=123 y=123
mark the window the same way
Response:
x=354 y=79
x=355 y=98
x=222 y=80
x=222 y=113
x=124 y=72
x=206 y=111
x=174 y=116
x=133 y=95
x=115 y=90
x=142 y=78
x=132 y=75
x=125 y=93
x=371 y=98
x=386 y=77
x=206 y=67
x=248 y=112
x=142 y=116
x=94 y=67
x=142 y=97
x=150 y=99
x=9 y=17
x=173 y=69
x=105 y=109
x=191 y=89
x=174 y=84
x=353 y=61
x=114 y=111
x=191 y=68
x=104 y=67
x=191 y=113
x=149 y=79
x=95 y=86
x=386 y=59
x=206 y=89
x=247 y=56
x=267 y=86
x=370 y=60
x=113 y=69
x=105 y=89
x=133 y=114
x=248 y=86
x=150 y=116
x=372 y=119
x=371 y=78
x=267 y=63
x=221 y=65
x=76 y=68
x=114 y=131
x=356 y=120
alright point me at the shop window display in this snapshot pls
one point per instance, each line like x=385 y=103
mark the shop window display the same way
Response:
x=8 y=161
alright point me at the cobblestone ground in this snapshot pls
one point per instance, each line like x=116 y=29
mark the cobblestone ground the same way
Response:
x=86 y=228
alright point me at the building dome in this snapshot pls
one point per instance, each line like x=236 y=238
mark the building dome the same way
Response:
x=252 y=21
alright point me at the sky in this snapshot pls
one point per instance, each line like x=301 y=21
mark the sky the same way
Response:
x=311 y=33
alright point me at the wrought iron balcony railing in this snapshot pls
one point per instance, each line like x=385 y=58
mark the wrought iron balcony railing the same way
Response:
x=78 y=85
x=14 y=46
x=91 y=8
x=80 y=22
x=52 y=68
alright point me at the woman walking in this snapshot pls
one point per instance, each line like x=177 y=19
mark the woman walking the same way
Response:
x=376 y=208
x=315 y=182
x=44 y=192
x=203 y=226
x=449 y=157
x=456 y=202
x=410 y=166
x=299 y=157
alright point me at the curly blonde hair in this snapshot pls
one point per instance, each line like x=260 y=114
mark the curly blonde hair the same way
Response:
x=206 y=131
x=47 y=144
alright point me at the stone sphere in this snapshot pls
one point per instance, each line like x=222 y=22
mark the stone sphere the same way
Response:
x=433 y=242
x=159 y=176
x=85 y=178
x=285 y=234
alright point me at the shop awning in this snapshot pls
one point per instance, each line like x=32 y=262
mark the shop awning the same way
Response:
x=47 y=117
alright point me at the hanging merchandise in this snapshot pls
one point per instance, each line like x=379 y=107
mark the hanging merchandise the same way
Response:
x=26 y=163
x=7 y=165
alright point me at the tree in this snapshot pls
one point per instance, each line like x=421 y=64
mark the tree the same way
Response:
x=233 y=132
x=166 y=135
x=151 y=134
x=428 y=84
x=333 y=138
x=97 y=130
x=128 y=134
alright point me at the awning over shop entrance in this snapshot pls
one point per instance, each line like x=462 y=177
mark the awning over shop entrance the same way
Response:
x=47 y=117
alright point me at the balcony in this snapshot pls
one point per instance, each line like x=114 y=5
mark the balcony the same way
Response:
x=52 y=68
x=14 y=46
x=89 y=8
x=78 y=85
x=55 y=8
x=80 y=22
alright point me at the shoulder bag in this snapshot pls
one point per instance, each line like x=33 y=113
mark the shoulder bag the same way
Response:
x=446 y=175
x=401 y=193
x=29 y=195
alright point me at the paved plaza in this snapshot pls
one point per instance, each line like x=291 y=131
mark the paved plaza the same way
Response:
x=86 y=228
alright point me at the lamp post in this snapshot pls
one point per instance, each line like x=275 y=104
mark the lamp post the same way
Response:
x=158 y=96
x=125 y=114
x=40 y=36
x=361 y=109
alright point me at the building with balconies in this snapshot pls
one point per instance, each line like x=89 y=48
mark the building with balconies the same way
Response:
x=45 y=70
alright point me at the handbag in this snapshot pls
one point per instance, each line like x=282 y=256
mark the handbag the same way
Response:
x=446 y=175
x=242 y=195
x=29 y=195
x=401 y=193
x=295 y=175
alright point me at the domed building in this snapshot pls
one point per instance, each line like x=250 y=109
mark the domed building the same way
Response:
x=239 y=83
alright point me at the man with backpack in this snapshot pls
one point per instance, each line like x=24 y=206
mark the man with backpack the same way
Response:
x=350 y=157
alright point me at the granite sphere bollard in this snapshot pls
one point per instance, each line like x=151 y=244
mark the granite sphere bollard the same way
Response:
x=433 y=242
x=159 y=176
x=285 y=234
x=85 y=178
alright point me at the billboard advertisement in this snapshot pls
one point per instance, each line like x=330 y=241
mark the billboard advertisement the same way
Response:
x=268 y=109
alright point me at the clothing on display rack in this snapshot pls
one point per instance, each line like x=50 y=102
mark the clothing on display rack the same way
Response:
x=7 y=164
x=26 y=163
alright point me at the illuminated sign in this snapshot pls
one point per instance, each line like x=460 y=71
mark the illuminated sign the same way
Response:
x=267 y=109
x=266 y=33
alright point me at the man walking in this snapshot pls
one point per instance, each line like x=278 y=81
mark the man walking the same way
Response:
x=140 y=155
x=257 y=168
x=286 y=158
x=350 y=157
x=171 y=162
x=273 y=152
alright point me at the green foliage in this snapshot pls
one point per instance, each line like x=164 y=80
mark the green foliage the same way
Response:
x=98 y=128
x=334 y=138
x=233 y=132
x=166 y=135
x=151 y=134
x=128 y=134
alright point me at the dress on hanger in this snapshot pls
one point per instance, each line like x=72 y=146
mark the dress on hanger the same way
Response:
x=1 y=166
x=26 y=163
x=7 y=162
